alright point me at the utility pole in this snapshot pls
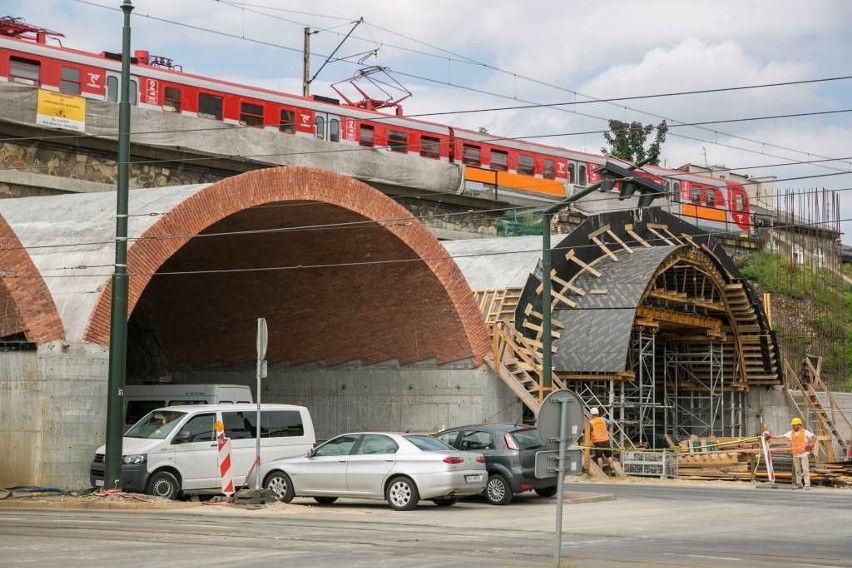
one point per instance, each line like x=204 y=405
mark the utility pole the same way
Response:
x=306 y=64
x=118 y=319
x=306 y=57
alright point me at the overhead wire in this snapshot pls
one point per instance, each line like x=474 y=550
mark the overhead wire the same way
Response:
x=481 y=64
x=348 y=224
x=418 y=259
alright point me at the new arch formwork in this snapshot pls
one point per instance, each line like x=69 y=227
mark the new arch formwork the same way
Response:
x=651 y=321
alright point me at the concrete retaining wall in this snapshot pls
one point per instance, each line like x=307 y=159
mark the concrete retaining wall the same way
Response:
x=771 y=406
x=380 y=397
x=52 y=414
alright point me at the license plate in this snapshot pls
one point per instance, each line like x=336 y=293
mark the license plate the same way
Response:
x=99 y=483
x=473 y=478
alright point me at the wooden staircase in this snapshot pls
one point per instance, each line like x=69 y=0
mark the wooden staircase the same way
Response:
x=517 y=359
x=809 y=382
x=756 y=352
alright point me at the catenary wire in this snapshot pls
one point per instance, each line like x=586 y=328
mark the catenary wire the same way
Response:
x=270 y=44
x=370 y=262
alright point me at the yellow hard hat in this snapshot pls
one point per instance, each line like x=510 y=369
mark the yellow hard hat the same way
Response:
x=795 y=421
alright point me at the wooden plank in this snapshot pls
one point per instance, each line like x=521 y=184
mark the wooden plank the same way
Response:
x=571 y=257
x=659 y=235
x=565 y=284
x=604 y=248
x=619 y=241
x=629 y=230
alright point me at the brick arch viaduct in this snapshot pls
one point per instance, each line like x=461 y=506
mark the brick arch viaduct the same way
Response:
x=340 y=272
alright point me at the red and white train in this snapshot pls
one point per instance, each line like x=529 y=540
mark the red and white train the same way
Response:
x=518 y=171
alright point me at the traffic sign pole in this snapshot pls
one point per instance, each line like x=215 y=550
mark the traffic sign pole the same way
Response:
x=262 y=343
x=560 y=481
x=560 y=419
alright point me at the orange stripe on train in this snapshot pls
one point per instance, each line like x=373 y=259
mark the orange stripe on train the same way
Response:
x=515 y=181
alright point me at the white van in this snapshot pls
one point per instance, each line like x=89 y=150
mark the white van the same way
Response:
x=173 y=449
x=139 y=400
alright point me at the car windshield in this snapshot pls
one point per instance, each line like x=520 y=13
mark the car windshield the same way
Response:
x=428 y=443
x=527 y=439
x=157 y=424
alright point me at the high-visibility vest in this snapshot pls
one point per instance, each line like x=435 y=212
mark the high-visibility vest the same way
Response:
x=599 y=431
x=798 y=441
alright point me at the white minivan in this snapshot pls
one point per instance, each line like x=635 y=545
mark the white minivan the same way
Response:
x=139 y=400
x=173 y=450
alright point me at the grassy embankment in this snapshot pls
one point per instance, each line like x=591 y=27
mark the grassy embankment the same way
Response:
x=809 y=307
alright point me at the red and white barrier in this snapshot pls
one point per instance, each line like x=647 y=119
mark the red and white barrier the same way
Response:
x=224 y=445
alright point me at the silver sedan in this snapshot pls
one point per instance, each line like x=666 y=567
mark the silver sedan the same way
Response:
x=399 y=468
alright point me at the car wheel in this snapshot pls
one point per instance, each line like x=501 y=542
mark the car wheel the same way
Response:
x=280 y=485
x=546 y=491
x=325 y=500
x=445 y=501
x=401 y=494
x=498 y=491
x=163 y=484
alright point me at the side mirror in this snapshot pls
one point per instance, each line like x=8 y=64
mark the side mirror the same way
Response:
x=181 y=437
x=311 y=453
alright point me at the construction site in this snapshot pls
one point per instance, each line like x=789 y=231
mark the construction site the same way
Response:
x=387 y=308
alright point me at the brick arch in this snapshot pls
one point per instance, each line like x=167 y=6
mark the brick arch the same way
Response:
x=229 y=197
x=33 y=310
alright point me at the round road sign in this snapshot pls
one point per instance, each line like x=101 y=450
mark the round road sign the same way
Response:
x=550 y=414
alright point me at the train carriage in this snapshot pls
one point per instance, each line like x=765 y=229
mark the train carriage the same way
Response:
x=516 y=171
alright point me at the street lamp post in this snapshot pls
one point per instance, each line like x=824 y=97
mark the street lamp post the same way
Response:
x=118 y=317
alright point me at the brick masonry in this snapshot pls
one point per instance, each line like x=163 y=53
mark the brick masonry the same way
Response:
x=25 y=298
x=377 y=286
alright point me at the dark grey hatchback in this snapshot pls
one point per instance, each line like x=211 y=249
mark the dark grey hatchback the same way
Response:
x=509 y=451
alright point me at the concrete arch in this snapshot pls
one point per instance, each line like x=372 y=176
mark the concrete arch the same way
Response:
x=457 y=329
x=32 y=310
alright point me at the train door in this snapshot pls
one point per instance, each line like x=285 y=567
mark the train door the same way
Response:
x=113 y=88
x=327 y=126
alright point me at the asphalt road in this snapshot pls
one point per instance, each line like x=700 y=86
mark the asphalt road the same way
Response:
x=645 y=525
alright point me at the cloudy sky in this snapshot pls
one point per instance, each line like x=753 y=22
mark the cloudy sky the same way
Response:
x=467 y=55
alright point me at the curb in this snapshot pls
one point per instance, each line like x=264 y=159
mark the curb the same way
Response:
x=98 y=505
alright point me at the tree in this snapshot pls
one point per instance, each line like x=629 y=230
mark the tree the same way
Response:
x=627 y=141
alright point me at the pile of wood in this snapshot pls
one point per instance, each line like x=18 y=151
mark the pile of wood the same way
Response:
x=716 y=458
x=732 y=459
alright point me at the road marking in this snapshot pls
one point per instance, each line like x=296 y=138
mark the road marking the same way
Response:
x=704 y=556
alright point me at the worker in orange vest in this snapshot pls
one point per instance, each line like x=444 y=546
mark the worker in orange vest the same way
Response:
x=801 y=443
x=600 y=440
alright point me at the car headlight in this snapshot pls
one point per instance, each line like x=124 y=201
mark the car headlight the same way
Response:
x=134 y=458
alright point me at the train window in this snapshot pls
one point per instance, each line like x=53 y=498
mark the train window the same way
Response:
x=739 y=202
x=209 y=106
x=499 y=160
x=287 y=121
x=366 y=138
x=549 y=169
x=319 y=124
x=171 y=99
x=430 y=147
x=69 y=81
x=526 y=165
x=113 y=90
x=472 y=155
x=583 y=179
x=398 y=141
x=24 y=71
x=676 y=192
x=334 y=129
x=710 y=197
x=572 y=173
x=251 y=114
x=696 y=194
